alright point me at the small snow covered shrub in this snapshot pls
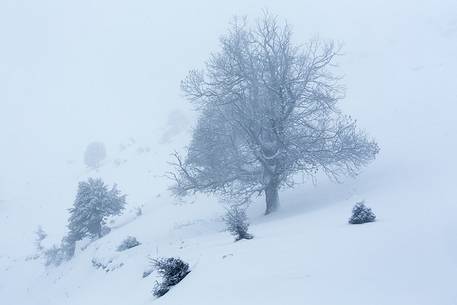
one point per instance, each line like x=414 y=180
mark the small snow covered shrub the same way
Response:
x=237 y=223
x=172 y=270
x=361 y=214
x=128 y=243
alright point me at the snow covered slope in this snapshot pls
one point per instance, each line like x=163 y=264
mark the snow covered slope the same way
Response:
x=113 y=76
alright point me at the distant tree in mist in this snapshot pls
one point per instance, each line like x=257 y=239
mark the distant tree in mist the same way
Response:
x=95 y=153
x=94 y=203
x=40 y=236
x=268 y=110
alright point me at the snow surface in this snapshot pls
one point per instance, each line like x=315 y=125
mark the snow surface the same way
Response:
x=108 y=71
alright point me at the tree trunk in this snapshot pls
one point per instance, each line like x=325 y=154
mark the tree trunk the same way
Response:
x=272 y=197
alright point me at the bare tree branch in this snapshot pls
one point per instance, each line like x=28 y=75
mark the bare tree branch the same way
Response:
x=268 y=111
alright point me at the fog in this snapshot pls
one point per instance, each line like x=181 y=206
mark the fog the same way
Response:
x=107 y=70
x=75 y=72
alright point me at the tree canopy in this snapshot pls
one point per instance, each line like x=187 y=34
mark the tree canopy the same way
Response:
x=268 y=110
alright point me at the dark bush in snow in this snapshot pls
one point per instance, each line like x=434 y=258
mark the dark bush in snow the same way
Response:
x=237 y=223
x=172 y=270
x=361 y=214
x=97 y=264
x=128 y=243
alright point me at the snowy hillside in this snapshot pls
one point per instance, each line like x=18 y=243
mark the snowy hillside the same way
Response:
x=109 y=71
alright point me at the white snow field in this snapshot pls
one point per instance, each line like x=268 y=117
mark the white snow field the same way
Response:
x=109 y=71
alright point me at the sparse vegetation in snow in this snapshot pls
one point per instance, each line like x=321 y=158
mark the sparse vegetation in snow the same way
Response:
x=40 y=236
x=54 y=256
x=106 y=265
x=172 y=270
x=128 y=243
x=237 y=222
x=361 y=214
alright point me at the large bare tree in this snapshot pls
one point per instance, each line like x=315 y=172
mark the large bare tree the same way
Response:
x=268 y=111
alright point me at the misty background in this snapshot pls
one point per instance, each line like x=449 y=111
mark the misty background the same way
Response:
x=109 y=71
